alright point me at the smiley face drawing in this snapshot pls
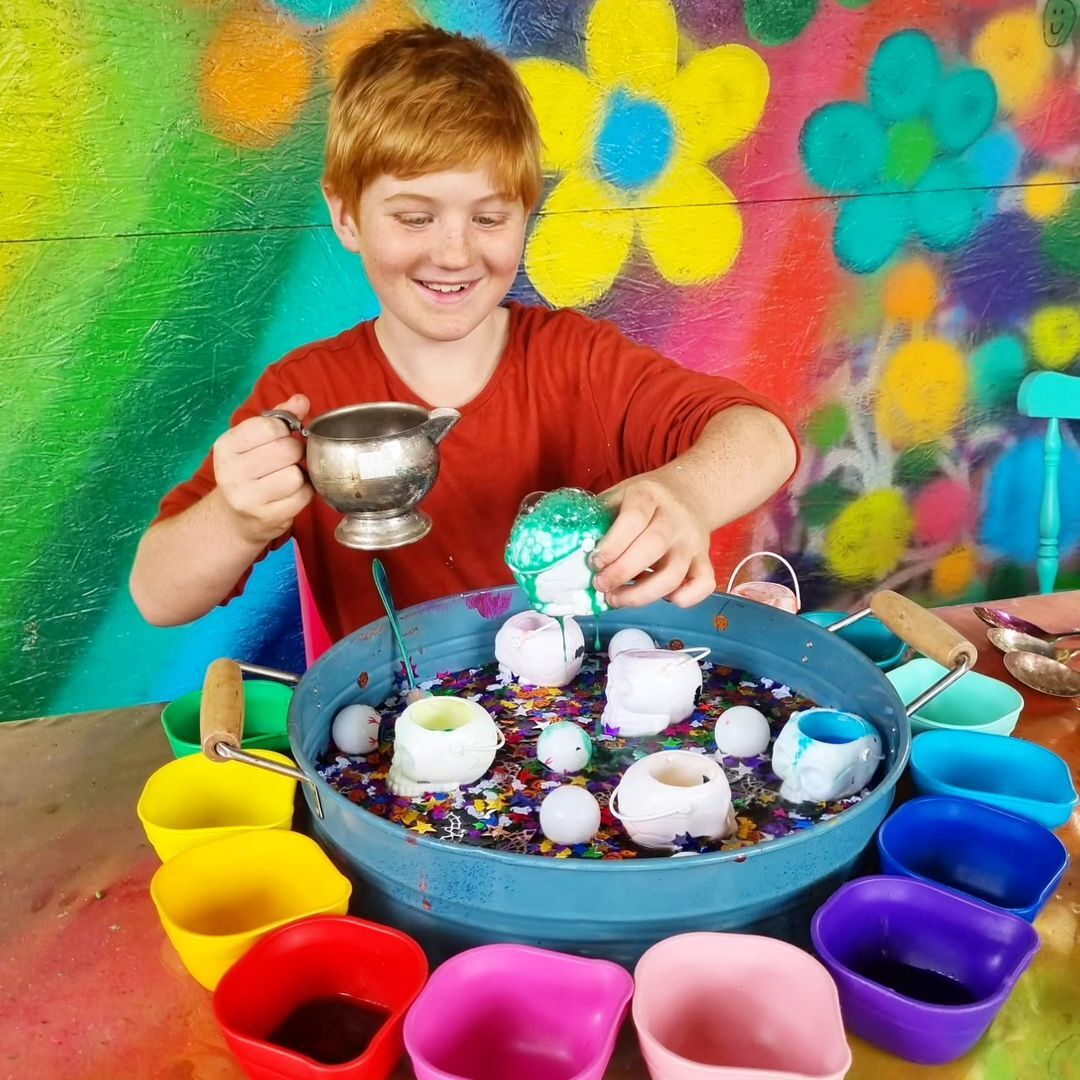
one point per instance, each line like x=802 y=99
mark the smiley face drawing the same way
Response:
x=1059 y=19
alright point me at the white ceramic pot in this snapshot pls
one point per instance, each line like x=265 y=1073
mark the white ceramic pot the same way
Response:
x=673 y=793
x=441 y=743
x=824 y=754
x=538 y=650
x=649 y=689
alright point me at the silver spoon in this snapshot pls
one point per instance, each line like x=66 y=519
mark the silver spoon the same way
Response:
x=1013 y=641
x=382 y=584
x=1007 y=621
x=1044 y=674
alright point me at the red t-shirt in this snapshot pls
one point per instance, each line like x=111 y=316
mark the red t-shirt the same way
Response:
x=572 y=402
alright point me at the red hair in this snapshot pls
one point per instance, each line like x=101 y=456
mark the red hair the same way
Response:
x=422 y=100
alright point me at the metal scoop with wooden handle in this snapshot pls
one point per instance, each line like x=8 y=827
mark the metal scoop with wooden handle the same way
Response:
x=925 y=633
x=221 y=721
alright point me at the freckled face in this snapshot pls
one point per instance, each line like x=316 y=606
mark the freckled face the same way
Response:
x=440 y=251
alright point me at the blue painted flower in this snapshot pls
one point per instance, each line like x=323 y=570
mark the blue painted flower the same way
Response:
x=900 y=158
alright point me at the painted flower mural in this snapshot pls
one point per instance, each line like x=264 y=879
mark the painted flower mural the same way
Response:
x=902 y=152
x=630 y=139
x=259 y=69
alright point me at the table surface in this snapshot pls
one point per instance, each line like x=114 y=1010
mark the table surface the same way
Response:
x=90 y=988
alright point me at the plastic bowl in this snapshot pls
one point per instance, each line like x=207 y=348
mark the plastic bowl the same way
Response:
x=305 y=963
x=999 y=858
x=869 y=635
x=266 y=711
x=706 y=1008
x=975 y=702
x=216 y=900
x=922 y=971
x=517 y=1011
x=1011 y=774
x=193 y=800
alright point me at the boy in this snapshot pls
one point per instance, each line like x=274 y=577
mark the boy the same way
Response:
x=433 y=166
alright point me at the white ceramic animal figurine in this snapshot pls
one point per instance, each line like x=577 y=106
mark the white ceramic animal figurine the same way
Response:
x=441 y=743
x=673 y=793
x=823 y=754
x=650 y=689
x=538 y=650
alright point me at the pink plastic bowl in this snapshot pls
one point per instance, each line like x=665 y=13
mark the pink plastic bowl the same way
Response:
x=511 y=1011
x=737 y=1007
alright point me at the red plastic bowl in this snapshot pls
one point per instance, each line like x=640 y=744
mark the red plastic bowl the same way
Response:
x=324 y=956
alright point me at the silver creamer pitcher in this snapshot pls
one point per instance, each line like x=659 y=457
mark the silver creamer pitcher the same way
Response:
x=375 y=463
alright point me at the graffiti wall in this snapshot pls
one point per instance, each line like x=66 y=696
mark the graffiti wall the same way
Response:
x=868 y=209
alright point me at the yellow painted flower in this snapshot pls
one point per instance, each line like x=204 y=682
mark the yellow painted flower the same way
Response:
x=630 y=139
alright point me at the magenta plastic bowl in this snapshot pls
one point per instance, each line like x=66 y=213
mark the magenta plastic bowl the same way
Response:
x=514 y=1012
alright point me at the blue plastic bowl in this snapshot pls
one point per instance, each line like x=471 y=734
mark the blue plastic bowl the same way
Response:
x=1011 y=774
x=869 y=635
x=999 y=858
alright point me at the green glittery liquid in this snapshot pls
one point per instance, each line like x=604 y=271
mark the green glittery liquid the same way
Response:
x=559 y=524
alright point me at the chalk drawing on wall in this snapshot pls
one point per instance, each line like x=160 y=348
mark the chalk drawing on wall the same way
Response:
x=630 y=139
x=776 y=22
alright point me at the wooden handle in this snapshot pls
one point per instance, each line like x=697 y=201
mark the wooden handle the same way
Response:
x=221 y=717
x=922 y=629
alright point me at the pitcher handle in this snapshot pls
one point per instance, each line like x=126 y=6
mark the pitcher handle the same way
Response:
x=439 y=422
x=290 y=420
x=778 y=558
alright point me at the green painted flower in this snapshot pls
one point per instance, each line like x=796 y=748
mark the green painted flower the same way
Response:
x=897 y=158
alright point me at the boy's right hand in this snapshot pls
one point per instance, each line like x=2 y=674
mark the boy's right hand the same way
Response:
x=259 y=479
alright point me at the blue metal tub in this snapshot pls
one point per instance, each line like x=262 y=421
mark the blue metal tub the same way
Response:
x=452 y=897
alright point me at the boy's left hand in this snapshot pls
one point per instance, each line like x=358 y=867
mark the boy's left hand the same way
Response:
x=657 y=528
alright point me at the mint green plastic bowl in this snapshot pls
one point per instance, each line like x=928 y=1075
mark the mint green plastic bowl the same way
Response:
x=974 y=702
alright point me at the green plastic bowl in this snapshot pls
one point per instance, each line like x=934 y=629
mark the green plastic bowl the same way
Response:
x=869 y=635
x=975 y=702
x=266 y=711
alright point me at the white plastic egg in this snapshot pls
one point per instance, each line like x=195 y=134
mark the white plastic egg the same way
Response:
x=629 y=638
x=569 y=815
x=741 y=732
x=356 y=730
x=564 y=747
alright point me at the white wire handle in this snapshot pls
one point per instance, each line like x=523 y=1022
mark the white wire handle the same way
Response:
x=778 y=558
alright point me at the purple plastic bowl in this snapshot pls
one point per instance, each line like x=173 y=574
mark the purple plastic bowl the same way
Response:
x=921 y=971
x=502 y=1011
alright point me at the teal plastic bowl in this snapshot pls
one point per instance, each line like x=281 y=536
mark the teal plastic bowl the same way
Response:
x=869 y=635
x=266 y=715
x=975 y=702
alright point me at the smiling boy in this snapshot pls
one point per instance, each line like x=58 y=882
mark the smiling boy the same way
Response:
x=433 y=167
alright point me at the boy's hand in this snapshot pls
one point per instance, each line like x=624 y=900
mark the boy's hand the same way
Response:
x=259 y=479
x=657 y=528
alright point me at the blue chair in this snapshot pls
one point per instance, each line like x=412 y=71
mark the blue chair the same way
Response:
x=1056 y=397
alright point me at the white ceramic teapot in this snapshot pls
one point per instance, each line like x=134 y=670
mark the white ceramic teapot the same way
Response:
x=650 y=689
x=673 y=793
x=538 y=650
x=441 y=743
x=824 y=754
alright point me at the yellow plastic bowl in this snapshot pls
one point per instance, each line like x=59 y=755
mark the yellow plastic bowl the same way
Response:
x=193 y=800
x=215 y=901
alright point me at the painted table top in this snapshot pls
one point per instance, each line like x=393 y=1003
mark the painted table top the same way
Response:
x=91 y=990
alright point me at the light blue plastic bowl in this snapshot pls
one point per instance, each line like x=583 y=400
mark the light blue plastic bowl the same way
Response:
x=1014 y=775
x=869 y=635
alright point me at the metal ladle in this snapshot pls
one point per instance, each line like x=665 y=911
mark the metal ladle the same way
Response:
x=1013 y=641
x=1007 y=621
x=1043 y=673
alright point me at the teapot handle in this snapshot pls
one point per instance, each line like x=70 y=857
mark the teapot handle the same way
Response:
x=439 y=422
x=290 y=420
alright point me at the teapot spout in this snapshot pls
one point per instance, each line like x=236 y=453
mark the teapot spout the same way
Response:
x=439 y=422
